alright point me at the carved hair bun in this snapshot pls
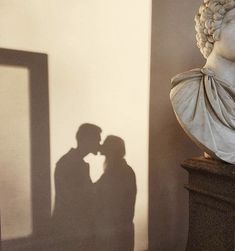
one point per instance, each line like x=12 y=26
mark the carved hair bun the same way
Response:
x=209 y=21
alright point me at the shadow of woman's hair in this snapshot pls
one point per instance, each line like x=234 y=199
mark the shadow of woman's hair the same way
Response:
x=113 y=147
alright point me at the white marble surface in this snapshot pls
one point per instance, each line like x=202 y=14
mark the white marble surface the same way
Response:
x=204 y=106
x=204 y=99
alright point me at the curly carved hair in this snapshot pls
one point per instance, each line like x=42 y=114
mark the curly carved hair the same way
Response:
x=209 y=21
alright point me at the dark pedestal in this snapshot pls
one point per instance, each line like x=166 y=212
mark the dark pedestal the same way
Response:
x=211 y=205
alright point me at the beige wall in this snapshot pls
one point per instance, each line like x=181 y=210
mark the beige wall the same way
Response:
x=99 y=57
x=15 y=191
x=173 y=51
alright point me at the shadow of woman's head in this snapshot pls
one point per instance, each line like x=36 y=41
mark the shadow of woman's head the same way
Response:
x=113 y=148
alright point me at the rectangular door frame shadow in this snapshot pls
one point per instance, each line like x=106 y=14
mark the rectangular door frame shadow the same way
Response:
x=37 y=65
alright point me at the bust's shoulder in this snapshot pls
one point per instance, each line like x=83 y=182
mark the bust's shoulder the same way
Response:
x=192 y=75
x=186 y=85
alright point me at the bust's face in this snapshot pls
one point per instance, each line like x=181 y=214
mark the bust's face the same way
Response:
x=225 y=47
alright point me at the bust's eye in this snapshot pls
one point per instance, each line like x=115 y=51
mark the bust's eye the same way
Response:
x=231 y=21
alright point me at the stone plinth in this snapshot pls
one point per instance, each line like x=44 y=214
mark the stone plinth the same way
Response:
x=211 y=205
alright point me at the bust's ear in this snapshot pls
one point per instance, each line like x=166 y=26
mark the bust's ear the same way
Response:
x=216 y=35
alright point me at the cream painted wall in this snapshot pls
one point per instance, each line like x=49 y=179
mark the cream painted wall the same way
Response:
x=15 y=192
x=99 y=57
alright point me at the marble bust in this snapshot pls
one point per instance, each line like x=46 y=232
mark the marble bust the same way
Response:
x=203 y=99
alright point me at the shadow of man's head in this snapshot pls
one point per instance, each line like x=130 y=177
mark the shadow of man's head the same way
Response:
x=113 y=148
x=88 y=138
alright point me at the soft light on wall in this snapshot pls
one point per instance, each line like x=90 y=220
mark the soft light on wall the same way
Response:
x=99 y=57
x=15 y=195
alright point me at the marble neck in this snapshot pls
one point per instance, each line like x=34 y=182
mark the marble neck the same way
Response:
x=223 y=68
